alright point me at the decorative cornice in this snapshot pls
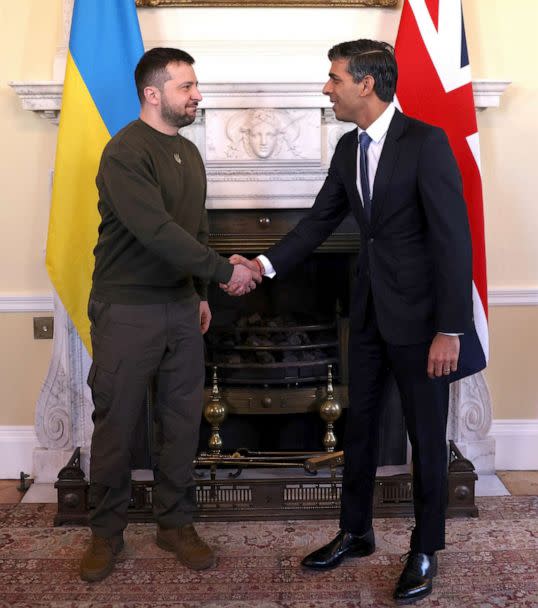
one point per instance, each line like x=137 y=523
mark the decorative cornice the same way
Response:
x=42 y=97
x=45 y=97
x=487 y=93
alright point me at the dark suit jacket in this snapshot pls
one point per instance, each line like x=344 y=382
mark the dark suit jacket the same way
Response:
x=416 y=252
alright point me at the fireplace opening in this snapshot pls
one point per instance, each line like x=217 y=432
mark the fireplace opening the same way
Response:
x=281 y=349
x=271 y=352
x=284 y=333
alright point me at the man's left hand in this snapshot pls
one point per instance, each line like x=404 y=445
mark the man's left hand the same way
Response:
x=443 y=355
x=205 y=316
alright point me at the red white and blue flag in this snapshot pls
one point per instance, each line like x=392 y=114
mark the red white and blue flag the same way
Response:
x=434 y=85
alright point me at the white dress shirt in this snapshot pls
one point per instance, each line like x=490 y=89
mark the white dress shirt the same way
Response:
x=378 y=133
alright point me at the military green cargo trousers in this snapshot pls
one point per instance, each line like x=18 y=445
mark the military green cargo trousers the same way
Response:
x=132 y=344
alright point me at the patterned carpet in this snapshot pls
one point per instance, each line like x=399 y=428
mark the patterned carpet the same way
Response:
x=490 y=562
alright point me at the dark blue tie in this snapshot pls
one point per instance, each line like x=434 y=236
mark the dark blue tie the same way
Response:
x=364 y=142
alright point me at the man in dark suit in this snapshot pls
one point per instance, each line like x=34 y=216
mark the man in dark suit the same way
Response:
x=412 y=300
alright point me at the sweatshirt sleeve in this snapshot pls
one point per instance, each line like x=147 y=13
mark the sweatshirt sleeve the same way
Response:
x=203 y=236
x=129 y=188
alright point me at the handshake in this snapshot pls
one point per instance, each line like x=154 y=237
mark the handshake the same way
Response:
x=246 y=274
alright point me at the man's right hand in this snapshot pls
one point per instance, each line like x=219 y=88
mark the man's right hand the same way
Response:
x=243 y=280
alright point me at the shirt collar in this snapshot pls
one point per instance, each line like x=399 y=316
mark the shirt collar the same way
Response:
x=378 y=129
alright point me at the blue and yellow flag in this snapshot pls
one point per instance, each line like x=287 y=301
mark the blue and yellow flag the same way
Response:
x=99 y=98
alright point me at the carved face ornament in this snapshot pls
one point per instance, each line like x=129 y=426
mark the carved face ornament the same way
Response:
x=262 y=138
x=262 y=132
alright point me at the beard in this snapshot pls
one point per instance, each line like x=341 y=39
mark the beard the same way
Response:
x=174 y=117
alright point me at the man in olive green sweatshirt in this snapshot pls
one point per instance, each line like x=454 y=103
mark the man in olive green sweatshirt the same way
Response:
x=148 y=310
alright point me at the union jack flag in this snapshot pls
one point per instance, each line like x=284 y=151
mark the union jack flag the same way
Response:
x=434 y=85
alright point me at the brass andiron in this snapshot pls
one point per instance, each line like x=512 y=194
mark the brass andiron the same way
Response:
x=330 y=410
x=215 y=414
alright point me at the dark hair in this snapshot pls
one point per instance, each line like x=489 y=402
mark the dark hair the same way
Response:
x=151 y=69
x=370 y=57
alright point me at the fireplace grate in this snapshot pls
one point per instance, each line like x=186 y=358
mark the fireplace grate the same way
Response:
x=269 y=351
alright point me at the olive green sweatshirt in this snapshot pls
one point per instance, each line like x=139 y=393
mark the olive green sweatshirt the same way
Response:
x=152 y=245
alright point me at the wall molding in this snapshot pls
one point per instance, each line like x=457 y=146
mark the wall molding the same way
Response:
x=516 y=444
x=27 y=303
x=45 y=302
x=17 y=444
x=516 y=447
x=513 y=297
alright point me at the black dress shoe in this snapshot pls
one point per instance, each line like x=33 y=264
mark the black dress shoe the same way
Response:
x=344 y=544
x=416 y=579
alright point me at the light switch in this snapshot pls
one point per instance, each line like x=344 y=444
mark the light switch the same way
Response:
x=43 y=328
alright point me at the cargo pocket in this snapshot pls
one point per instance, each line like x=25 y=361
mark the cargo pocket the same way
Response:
x=96 y=310
x=102 y=374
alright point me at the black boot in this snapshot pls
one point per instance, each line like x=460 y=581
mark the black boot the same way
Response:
x=344 y=544
x=416 y=580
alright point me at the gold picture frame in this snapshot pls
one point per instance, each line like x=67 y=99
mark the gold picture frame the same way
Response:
x=268 y=3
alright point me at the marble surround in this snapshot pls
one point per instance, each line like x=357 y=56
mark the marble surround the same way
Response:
x=265 y=145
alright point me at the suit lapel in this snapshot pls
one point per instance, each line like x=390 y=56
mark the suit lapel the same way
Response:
x=387 y=163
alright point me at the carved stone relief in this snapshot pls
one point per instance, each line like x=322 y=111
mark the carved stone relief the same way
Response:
x=63 y=410
x=469 y=421
x=263 y=135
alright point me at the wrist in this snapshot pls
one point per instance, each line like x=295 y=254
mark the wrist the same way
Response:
x=261 y=267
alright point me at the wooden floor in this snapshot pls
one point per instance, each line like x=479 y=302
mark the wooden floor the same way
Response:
x=8 y=491
x=518 y=483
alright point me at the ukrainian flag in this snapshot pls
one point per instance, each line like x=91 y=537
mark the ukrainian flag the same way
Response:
x=99 y=98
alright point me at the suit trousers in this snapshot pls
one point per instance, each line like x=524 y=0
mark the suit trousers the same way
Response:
x=131 y=345
x=425 y=407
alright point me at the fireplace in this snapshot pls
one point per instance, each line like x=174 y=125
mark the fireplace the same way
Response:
x=270 y=353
